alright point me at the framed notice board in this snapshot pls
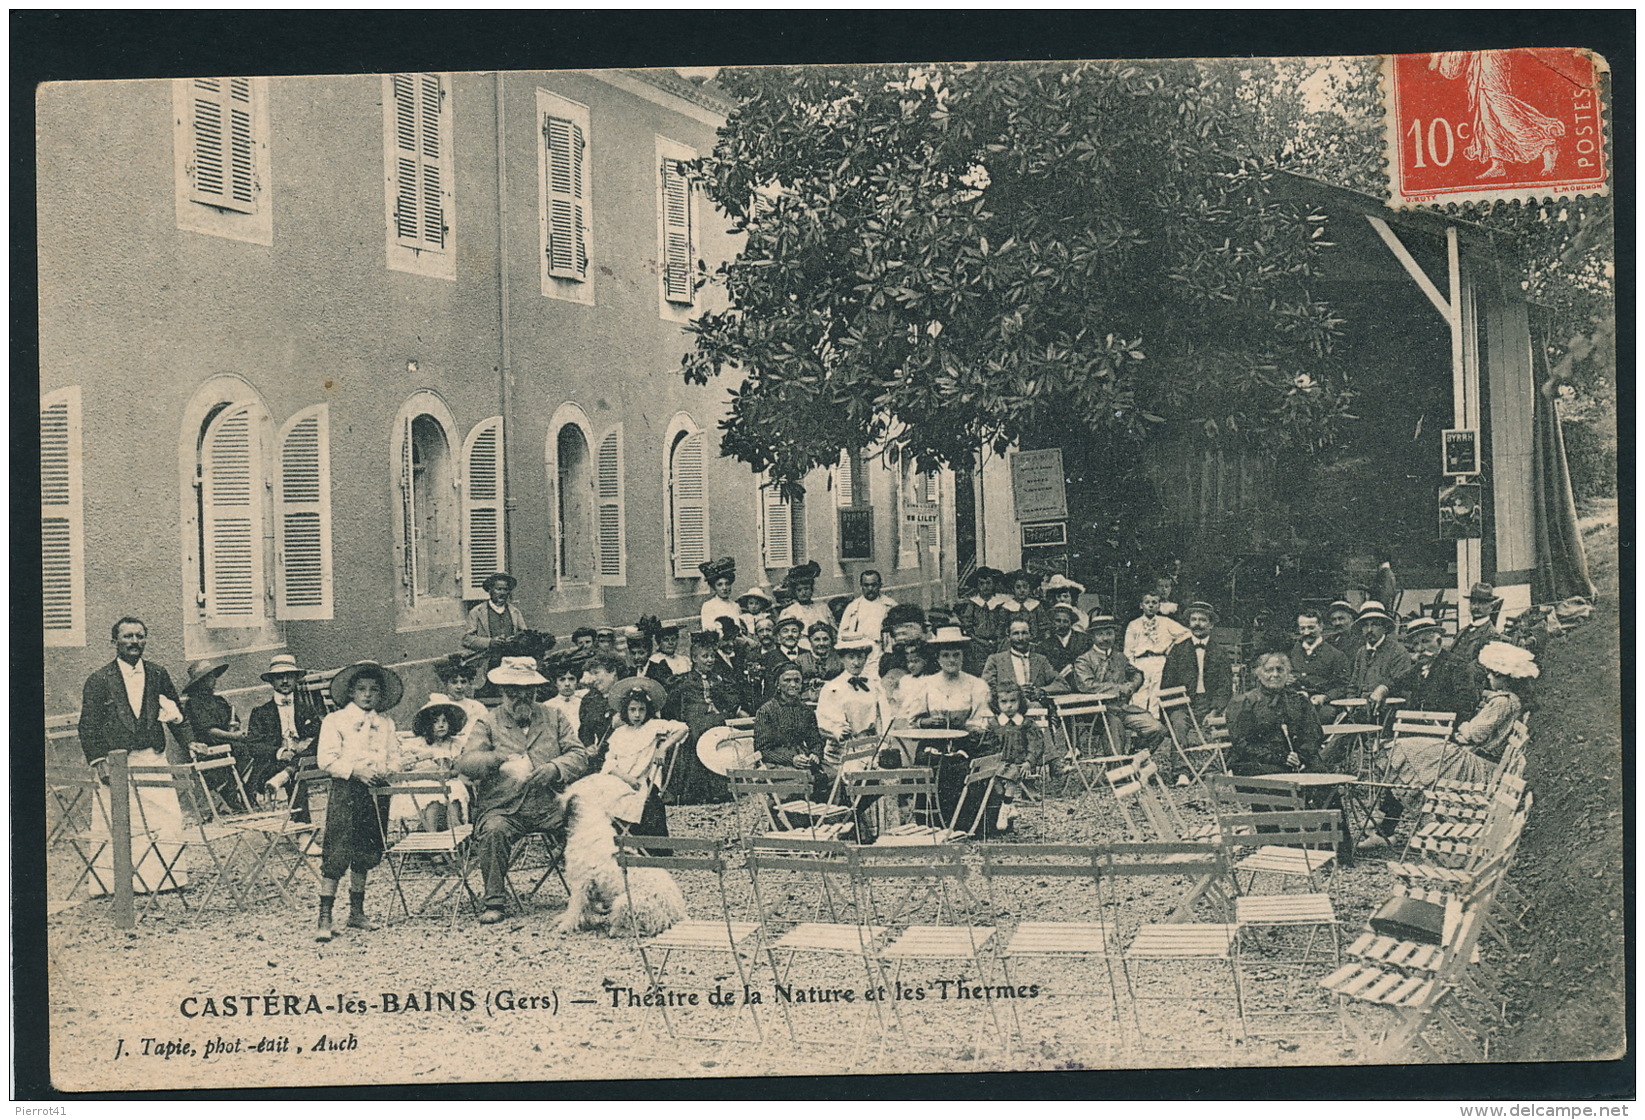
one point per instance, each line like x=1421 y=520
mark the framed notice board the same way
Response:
x=1037 y=485
x=857 y=533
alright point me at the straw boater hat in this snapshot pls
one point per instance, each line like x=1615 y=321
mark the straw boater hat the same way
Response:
x=793 y=620
x=1423 y=625
x=499 y=577
x=850 y=645
x=1340 y=605
x=653 y=689
x=1102 y=622
x=1508 y=660
x=203 y=670
x=439 y=704
x=517 y=671
x=1081 y=621
x=1372 y=609
x=757 y=593
x=280 y=665
x=948 y=637
x=1200 y=605
x=1060 y=582
x=393 y=688
x=723 y=568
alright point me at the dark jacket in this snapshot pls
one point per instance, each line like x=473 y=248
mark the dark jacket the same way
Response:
x=1258 y=724
x=1448 y=686
x=1182 y=670
x=783 y=730
x=106 y=720
x=1390 y=665
x=264 y=739
x=1324 y=671
x=1061 y=656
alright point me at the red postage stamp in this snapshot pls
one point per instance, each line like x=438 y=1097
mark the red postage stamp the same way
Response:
x=1467 y=126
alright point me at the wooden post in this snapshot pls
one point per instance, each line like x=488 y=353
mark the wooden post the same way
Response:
x=125 y=915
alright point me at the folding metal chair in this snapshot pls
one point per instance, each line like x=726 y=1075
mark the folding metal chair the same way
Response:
x=1203 y=755
x=840 y=950
x=951 y=937
x=1058 y=945
x=1085 y=748
x=1165 y=808
x=1132 y=800
x=985 y=773
x=885 y=791
x=70 y=791
x=725 y=937
x=439 y=862
x=76 y=786
x=1156 y=955
x=158 y=853
x=1302 y=843
x=540 y=854
x=266 y=837
x=772 y=803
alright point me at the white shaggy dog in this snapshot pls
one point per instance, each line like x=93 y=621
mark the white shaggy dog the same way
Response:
x=652 y=901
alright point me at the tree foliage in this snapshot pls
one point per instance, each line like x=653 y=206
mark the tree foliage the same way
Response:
x=944 y=258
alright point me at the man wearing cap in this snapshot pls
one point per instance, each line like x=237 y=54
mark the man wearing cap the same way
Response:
x=864 y=616
x=721 y=577
x=1380 y=663
x=1200 y=666
x=1439 y=682
x=788 y=652
x=1481 y=630
x=278 y=735
x=1105 y=670
x=802 y=580
x=1064 y=645
x=1018 y=663
x=1321 y=668
x=493 y=622
x=525 y=754
x=1339 y=627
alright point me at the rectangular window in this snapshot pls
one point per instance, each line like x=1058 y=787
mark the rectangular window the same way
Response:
x=676 y=229
x=417 y=154
x=62 y=528
x=220 y=143
x=565 y=195
x=303 y=589
x=783 y=525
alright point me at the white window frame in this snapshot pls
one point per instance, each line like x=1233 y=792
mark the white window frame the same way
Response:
x=672 y=308
x=571 y=594
x=264 y=633
x=71 y=511
x=574 y=289
x=684 y=426
x=417 y=255
x=427 y=610
x=289 y=506
x=252 y=220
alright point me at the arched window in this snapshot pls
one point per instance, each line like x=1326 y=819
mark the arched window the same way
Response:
x=687 y=497
x=427 y=533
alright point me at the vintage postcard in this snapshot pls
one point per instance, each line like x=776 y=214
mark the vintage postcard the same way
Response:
x=559 y=575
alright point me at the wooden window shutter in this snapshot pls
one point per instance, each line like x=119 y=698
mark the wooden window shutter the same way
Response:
x=677 y=248
x=62 y=528
x=931 y=493
x=482 y=506
x=222 y=163
x=232 y=497
x=408 y=516
x=303 y=584
x=688 y=486
x=845 y=480
x=422 y=193
x=608 y=482
x=565 y=150
x=784 y=528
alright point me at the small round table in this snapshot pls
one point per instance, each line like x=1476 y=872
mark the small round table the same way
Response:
x=1351 y=737
x=906 y=735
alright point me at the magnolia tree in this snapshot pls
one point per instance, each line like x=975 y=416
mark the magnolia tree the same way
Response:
x=940 y=259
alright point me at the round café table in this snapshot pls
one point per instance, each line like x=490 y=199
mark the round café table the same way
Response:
x=907 y=735
x=1350 y=737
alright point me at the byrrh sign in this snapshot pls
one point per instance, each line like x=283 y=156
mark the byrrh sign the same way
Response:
x=1037 y=485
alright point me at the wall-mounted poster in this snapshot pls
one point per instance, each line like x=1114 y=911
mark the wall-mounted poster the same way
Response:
x=1461 y=517
x=1037 y=485
x=857 y=533
x=1461 y=450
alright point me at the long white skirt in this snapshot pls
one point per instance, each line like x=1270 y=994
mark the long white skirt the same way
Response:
x=159 y=814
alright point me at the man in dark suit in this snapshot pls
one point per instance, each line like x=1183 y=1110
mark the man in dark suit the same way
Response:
x=128 y=703
x=1320 y=668
x=281 y=733
x=1440 y=682
x=1064 y=645
x=1198 y=664
x=1018 y=663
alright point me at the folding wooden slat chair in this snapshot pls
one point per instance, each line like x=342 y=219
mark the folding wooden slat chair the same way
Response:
x=158 y=856
x=1202 y=756
x=1133 y=802
x=725 y=936
x=981 y=777
x=1057 y=945
x=1161 y=959
x=774 y=803
x=1165 y=807
x=440 y=862
x=886 y=790
x=952 y=937
x=265 y=835
x=839 y=951
x=1302 y=843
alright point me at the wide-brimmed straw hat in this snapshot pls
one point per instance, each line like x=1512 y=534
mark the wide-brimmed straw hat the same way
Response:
x=1423 y=625
x=343 y=683
x=758 y=593
x=1372 y=609
x=439 y=704
x=850 y=645
x=653 y=689
x=1508 y=660
x=517 y=671
x=280 y=665
x=947 y=637
x=205 y=669
x=1060 y=582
